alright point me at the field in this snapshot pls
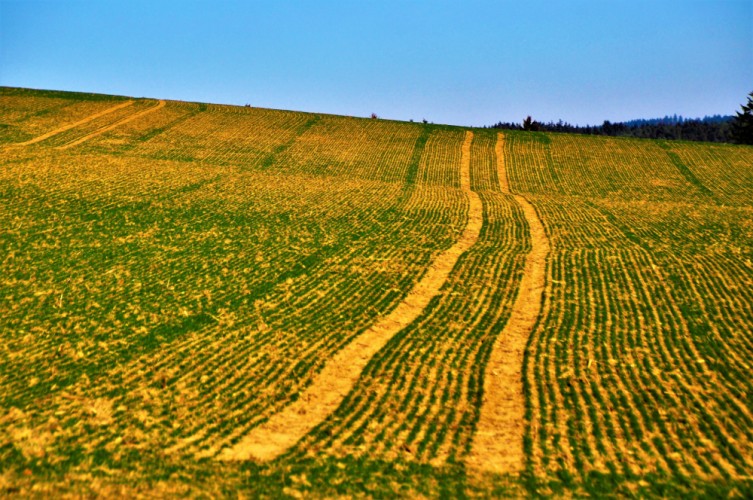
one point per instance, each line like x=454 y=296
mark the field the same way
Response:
x=199 y=299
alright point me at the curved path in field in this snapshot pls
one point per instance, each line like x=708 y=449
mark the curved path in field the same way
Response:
x=118 y=123
x=72 y=125
x=341 y=372
x=498 y=441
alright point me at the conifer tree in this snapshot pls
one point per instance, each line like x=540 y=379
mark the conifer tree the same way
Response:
x=742 y=125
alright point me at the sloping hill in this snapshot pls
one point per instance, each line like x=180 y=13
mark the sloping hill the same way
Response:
x=202 y=298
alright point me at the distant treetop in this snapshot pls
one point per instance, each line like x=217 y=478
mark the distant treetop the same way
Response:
x=716 y=128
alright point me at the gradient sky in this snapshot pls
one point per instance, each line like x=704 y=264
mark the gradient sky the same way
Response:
x=461 y=62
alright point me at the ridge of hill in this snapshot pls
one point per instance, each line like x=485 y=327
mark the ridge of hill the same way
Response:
x=555 y=314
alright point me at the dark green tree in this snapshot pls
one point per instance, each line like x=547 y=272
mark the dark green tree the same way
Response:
x=742 y=125
x=530 y=125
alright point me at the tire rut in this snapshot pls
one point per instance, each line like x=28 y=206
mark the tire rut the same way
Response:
x=498 y=441
x=118 y=123
x=341 y=372
x=72 y=125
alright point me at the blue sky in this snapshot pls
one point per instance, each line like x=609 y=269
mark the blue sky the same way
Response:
x=461 y=62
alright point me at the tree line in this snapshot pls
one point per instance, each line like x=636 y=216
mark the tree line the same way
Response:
x=717 y=128
x=708 y=129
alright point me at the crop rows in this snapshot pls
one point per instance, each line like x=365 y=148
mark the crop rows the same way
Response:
x=200 y=299
x=127 y=138
x=348 y=147
x=723 y=170
x=215 y=136
x=169 y=284
x=615 y=167
x=621 y=381
x=533 y=171
x=72 y=135
x=18 y=113
x=628 y=169
x=418 y=398
x=432 y=192
x=484 y=163
x=341 y=372
x=639 y=363
x=438 y=165
x=275 y=335
x=709 y=266
x=17 y=106
x=34 y=116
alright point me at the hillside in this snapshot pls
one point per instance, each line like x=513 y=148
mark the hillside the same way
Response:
x=199 y=299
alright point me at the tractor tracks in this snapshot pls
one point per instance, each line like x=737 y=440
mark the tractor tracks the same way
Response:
x=285 y=428
x=498 y=441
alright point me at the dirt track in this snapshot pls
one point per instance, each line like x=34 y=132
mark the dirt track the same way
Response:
x=125 y=120
x=341 y=372
x=72 y=125
x=498 y=442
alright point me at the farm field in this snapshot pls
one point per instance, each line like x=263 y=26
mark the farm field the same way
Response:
x=201 y=299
